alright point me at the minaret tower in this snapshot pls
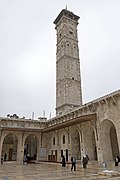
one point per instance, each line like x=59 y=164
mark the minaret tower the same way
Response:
x=68 y=79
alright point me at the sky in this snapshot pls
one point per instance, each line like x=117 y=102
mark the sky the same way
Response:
x=28 y=53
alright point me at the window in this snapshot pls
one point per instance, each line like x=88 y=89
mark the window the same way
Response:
x=61 y=152
x=70 y=16
x=63 y=139
x=60 y=113
x=54 y=141
x=71 y=32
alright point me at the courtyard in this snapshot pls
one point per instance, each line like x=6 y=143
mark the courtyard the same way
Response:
x=51 y=171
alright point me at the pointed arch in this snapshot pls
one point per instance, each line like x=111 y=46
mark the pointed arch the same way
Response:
x=89 y=141
x=75 y=142
x=62 y=49
x=30 y=147
x=10 y=144
x=64 y=28
x=70 y=32
x=109 y=140
x=68 y=48
x=75 y=50
x=60 y=33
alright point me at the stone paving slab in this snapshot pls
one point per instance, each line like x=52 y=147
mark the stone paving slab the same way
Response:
x=48 y=171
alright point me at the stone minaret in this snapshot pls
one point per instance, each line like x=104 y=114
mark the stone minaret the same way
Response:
x=68 y=79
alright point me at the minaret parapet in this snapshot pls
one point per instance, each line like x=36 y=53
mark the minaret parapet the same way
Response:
x=68 y=14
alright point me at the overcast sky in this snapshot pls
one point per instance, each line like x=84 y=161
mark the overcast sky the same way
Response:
x=28 y=52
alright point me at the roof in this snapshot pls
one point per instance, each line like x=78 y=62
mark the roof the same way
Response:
x=66 y=13
x=71 y=122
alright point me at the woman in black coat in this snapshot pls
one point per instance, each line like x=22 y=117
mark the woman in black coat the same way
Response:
x=63 y=161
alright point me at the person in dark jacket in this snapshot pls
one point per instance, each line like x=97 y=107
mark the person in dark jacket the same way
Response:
x=117 y=160
x=73 y=161
x=85 y=161
x=63 y=161
x=5 y=156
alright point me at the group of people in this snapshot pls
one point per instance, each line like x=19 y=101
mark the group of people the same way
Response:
x=73 y=162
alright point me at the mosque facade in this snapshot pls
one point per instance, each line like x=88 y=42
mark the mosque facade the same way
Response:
x=92 y=128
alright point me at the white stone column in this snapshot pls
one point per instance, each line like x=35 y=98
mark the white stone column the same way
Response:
x=82 y=150
x=99 y=147
x=118 y=134
x=0 y=144
x=99 y=152
x=82 y=143
x=20 y=149
x=38 y=148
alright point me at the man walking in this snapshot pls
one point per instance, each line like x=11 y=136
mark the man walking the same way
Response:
x=85 y=161
x=73 y=161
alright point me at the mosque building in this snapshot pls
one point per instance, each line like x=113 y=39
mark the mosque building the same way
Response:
x=92 y=128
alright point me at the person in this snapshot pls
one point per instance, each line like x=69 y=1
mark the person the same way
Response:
x=28 y=157
x=87 y=157
x=5 y=156
x=63 y=161
x=117 y=161
x=34 y=157
x=25 y=159
x=85 y=161
x=73 y=161
x=104 y=165
x=118 y=158
x=2 y=160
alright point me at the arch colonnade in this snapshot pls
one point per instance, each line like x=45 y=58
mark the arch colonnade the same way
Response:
x=91 y=129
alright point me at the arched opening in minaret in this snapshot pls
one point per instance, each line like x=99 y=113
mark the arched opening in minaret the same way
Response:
x=68 y=48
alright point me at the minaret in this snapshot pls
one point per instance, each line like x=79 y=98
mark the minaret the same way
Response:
x=68 y=79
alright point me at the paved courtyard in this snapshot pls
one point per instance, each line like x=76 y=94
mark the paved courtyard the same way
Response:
x=46 y=171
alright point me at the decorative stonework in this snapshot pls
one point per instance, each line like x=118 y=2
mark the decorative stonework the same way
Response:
x=6 y=123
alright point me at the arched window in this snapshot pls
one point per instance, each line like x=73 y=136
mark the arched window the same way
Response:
x=53 y=140
x=75 y=51
x=68 y=48
x=63 y=139
x=71 y=32
x=62 y=49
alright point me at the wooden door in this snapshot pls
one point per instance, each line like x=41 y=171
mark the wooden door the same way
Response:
x=10 y=154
